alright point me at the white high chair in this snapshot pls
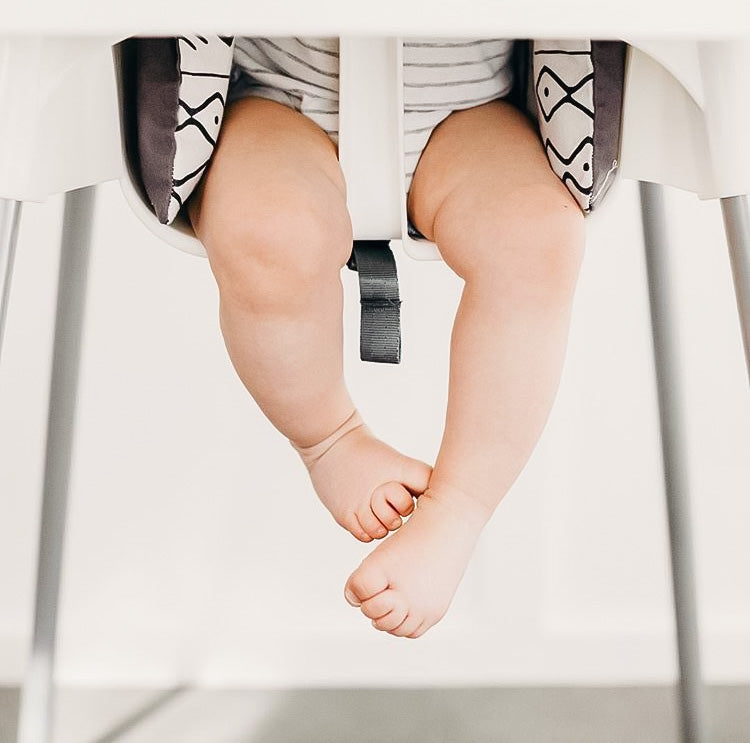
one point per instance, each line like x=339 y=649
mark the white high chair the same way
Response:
x=370 y=152
x=370 y=126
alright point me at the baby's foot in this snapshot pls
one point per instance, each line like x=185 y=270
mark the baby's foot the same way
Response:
x=367 y=485
x=407 y=583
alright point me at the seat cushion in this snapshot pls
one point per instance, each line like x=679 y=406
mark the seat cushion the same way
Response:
x=578 y=88
x=179 y=91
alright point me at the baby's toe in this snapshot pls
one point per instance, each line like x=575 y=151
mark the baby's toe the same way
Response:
x=423 y=627
x=352 y=525
x=388 y=502
x=392 y=620
x=364 y=583
x=370 y=523
x=408 y=626
x=396 y=496
x=383 y=603
x=387 y=610
x=416 y=476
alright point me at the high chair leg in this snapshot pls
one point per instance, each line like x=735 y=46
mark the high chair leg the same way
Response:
x=10 y=217
x=737 y=229
x=35 y=717
x=669 y=389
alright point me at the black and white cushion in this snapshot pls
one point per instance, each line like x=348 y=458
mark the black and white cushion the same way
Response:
x=578 y=91
x=204 y=63
x=174 y=96
x=180 y=95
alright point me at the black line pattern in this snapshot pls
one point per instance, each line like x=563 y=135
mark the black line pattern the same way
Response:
x=181 y=181
x=568 y=160
x=568 y=177
x=568 y=137
x=570 y=90
x=194 y=123
x=192 y=110
x=561 y=51
x=187 y=41
x=205 y=64
x=202 y=39
x=204 y=74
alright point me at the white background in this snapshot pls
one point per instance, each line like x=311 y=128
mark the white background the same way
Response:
x=542 y=18
x=197 y=551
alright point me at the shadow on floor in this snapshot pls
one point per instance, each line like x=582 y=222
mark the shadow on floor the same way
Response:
x=466 y=715
x=496 y=715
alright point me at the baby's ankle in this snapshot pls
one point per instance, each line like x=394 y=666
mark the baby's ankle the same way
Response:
x=464 y=504
x=311 y=454
x=366 y=485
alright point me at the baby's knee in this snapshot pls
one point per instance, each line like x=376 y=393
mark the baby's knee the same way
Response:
x=273 y=256
x=532 y=236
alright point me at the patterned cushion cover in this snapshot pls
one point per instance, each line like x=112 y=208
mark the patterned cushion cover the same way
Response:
x=174 y=104
x=578 y=92
x=180 y=94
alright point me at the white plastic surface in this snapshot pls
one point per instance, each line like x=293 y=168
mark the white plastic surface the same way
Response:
x=506 y=18
x=370 y=135
x=371 y=152
x=685 y=116
x=179 y=234
x=725 y=70
x=663 y=129
x=60 y=130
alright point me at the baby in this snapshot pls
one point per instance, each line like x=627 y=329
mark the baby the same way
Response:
x=271 y=213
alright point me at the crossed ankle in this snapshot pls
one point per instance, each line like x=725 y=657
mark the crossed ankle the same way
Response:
x=465 y=504
x=311 y=454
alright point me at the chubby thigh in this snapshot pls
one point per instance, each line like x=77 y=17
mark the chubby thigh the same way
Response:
x=484 y=191
x=273 y=195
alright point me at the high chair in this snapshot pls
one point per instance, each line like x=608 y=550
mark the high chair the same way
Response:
x=371 y=157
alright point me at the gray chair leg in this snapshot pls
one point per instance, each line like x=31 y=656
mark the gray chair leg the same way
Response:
x=669 y=388
x=737 y=229
x=35 y=717
x=10 y=217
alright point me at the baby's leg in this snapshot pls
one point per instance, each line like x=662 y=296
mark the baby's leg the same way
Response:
x=271 y=213
x=484 y=192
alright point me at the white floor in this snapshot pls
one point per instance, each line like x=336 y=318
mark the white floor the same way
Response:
x=506 y=715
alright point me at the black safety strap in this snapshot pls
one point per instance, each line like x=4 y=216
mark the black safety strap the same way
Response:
x=380 y=323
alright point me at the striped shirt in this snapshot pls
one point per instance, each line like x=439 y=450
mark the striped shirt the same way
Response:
x=440 y=76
